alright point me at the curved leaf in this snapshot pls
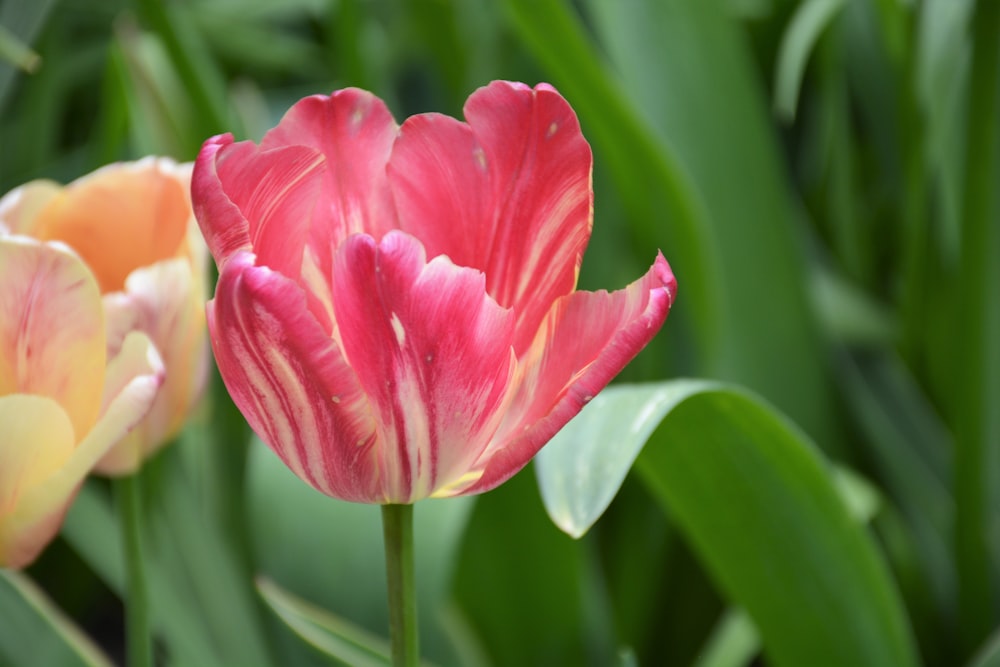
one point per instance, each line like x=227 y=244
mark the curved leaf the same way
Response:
x=33 y=631
x=757 y=503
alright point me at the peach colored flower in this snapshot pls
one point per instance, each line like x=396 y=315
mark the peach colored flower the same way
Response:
x=64 y=401
x=132 y=225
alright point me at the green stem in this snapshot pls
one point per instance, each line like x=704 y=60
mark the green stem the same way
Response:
x=977 y=429
x=139 y=644
x=397 y=529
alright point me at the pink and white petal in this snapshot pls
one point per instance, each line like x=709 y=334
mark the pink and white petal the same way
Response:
x=354 y=130
x=521 y=183
x=432 y=351
x=269 y=196
x=291 y=382
x=36 y=439
x=586 y=340
x=20 y=207
x=443 y=189
x=51 y=327
x=161 y=301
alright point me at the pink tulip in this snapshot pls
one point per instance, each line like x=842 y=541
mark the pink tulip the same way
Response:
x=131 y=222
x=64 y=402
x=395 y=314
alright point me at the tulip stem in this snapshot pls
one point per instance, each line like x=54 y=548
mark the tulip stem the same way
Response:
x=397 y=530
x=139 y=646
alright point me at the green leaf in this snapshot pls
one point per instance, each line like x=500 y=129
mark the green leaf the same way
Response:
x=33 y=631
x=325 y=631
x=989 y=655
x=690 y=70
x=810 y=19
x=758 y=505
x=581 y=469
x=734 y=643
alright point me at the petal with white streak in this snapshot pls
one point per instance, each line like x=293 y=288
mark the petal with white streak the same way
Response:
x=290 y=381
x=432 y=351
x=585 y=341
x=509 y=194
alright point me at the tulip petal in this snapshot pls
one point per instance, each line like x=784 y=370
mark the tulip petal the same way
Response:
x=432 y=351
x=130 y=387
x=51 y=327
x=259 y=200
x=159 y=300
x=37 y=439
x=585 y=341
x=354 y=130
x=511 y=197
x=20 y=207
x=141 y=206
x=290 y=381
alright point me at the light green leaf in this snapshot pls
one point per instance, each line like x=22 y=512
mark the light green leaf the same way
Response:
x=760 y=508
x=324 y=630
x=581 y=469
x=33 y=631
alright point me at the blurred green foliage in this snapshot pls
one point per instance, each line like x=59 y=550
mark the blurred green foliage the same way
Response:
x=822 y=176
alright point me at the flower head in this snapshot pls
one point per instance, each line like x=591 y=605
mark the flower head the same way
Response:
x=132 y=225
x=396 y=314
x=64 y=401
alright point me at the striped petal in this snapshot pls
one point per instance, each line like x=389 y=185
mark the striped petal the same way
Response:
x=509 y=194
x=51 y=328
x=354 y=131
x=432 y=351
x=290 y=381
x=258 y=200
x=585 y=341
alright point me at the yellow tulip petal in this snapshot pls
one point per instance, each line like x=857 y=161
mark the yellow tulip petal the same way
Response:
x=19 y=208
x=52 y=340
x=120 y=218
x=133 y=380
x=36 y=439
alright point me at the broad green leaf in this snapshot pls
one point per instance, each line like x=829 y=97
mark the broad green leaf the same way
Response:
x=763 y=512
x=690 y=70
x=334 y=636
x=581 y=469
x=810 y=19
x=33 y=631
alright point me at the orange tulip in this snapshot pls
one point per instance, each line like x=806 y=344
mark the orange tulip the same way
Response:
x=64 y=401
x=132 y=225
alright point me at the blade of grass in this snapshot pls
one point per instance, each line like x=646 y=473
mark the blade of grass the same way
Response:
x=977 y=450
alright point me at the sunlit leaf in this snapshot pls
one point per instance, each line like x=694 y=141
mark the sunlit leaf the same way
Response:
x=761 y=509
